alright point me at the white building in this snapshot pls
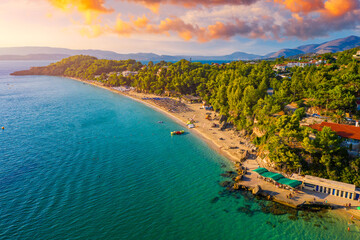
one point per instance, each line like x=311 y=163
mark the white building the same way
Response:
x=280 y=67
x=128 y=73
x=330 y=187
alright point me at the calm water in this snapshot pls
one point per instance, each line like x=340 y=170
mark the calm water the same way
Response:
x=79 y=162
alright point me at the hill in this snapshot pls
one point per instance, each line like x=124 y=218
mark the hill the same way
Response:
x=48 y=53
x=333 y=46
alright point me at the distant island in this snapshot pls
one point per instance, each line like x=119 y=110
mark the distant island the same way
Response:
x=276 y=103
x=47 y=53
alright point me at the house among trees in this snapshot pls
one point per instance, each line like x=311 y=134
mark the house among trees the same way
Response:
x=270 y=91
x=128 y=73
x=280 y=67
x=291 y=107
x=357 y=55
x=191 y=99
x=171 y=93
x=350 y=133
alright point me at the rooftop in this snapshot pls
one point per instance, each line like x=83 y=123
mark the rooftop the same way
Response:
x=322 y=181
x=192 y=98
x=343 y=130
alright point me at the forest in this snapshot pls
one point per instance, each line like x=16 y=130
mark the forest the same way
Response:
x=239 y=90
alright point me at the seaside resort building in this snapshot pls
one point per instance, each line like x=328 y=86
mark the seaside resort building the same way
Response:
x=330 y=187
x=316 y=184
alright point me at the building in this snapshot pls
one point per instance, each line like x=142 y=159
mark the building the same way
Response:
x=293 y=64
x=316 y=184
x=304 y=64
x=357 y=55
x=128 y=73
x=291 y=107
x=330 y=187
x=270 y=91
x=191 y=99
x=350 y=133
x=280 y=67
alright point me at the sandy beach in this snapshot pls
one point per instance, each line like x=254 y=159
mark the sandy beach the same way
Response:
x=235 y=147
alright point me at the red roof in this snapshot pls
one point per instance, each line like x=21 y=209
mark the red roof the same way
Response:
x=343 y=130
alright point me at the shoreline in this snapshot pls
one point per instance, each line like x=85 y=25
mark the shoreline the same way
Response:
x=206 y=134
x=200 y=134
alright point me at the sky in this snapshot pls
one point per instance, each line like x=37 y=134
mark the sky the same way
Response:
x=192 y=27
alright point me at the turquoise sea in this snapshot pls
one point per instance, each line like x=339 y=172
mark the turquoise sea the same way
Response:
x=80 y=162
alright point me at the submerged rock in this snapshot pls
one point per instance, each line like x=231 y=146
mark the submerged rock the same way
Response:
x=292 y=217
x=271 y=224
x=215 y=199
x=225 y=184
x=246 y=210
x=229 y=174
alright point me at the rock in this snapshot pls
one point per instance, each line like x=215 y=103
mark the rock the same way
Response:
x=238 y=178
x=225 y=184
x=246 y=210
x=215 y=199
x=256 y=190
x=229 y=174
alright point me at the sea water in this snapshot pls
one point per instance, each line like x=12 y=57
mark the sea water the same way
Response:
x=80 y=162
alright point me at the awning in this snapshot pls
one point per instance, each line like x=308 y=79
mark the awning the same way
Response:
x=289 y=182
x=260 y=170
x=267 y=174
x=276 y=176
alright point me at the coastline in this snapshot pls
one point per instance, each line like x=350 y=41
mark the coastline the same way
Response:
x=232 y=147
x=220 y=146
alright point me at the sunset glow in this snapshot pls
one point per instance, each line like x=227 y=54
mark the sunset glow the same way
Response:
x=197 y=26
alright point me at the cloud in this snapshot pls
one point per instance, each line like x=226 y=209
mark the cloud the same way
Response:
x=207 y=20
x=309 y=27
x=340 y=7
x=90 y=9
x=319 y=18
x=303 y=6
x=81 y=5
x=325 y=7
x=193 y=3
x=188 y=31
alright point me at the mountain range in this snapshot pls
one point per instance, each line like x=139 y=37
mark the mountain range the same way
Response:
x=336 y=45
x=48 y=53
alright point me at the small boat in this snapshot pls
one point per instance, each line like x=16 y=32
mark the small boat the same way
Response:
x=160 y=122
x=177 y=132
x=191 y=125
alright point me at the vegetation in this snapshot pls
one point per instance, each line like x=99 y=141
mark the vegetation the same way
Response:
x=239 y=91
